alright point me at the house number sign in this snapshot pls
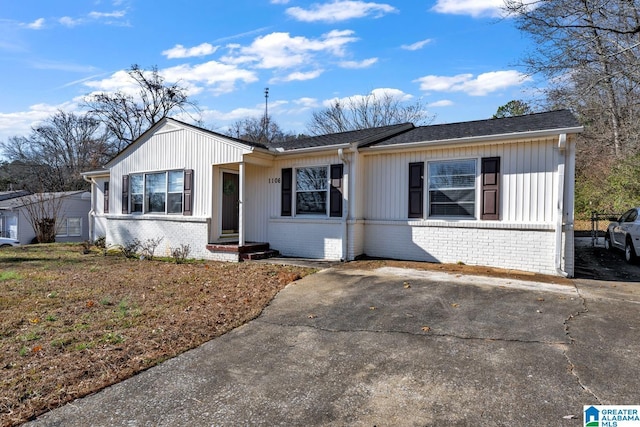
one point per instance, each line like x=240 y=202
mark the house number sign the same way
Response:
x=274 y=180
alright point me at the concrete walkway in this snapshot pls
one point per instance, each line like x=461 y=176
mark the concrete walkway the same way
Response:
x=395 y=347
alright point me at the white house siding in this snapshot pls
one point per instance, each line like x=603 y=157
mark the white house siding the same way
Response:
x=302 y=235
x=176 y=148
x=522 y=239
x=169 y=148
x=262 y=198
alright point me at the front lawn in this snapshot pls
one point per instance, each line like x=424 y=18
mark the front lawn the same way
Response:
x=73 y=323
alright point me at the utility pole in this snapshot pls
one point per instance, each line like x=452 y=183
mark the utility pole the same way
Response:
x=266 y=114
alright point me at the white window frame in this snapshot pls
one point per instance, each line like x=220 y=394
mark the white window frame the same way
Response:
x=145 y=202
x=64 y=225
x=473 y=190
x=326 y=191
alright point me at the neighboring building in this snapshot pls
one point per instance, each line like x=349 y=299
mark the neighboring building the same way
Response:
x=495 y=192
x=72 y=220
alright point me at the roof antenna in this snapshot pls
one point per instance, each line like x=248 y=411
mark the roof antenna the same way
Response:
x=266 y=114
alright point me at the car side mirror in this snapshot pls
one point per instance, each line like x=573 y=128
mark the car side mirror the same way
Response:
x=614 y=219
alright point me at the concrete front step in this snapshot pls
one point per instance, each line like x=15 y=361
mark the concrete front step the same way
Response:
x=269 y=253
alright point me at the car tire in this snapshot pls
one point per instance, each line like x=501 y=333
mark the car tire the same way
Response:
x=629 y=252
x=607 y=242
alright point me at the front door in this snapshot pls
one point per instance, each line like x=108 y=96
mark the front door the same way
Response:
x=230 y=202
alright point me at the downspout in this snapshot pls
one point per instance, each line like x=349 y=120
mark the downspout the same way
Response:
x=562 y=145
x=91 y=213
x=345 y=196
x=241 y=234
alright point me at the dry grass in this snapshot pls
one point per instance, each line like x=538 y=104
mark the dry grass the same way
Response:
x=71 y=324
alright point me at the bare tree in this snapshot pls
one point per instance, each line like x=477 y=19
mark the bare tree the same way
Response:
x=128 y=116
x=367 y=112
x=588 y=47
x=52 y=157
x=253 y=129
x=43 y=211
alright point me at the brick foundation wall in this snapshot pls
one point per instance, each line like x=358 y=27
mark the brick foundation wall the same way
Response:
x=509 y=247
x=307 y=238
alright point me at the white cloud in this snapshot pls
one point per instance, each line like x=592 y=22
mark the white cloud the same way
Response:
x=179 y=51
x=358 y=64
x=416 y=45
x=19 y=123
x=215 y=76
x=306 y=102
x=481 y=85
x=475 y=8
x=378 y=93
x=35 y=25
x=282 y=51
x=68 y=21
x=441 y=103
x=299 y=76
x=114 y=14
x=340 y=10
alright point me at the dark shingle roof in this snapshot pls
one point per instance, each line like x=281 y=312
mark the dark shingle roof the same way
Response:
x=360 y=137
x=560 y=119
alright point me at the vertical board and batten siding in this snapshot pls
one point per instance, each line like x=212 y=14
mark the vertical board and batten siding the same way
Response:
x=522 y=238
x=177 y=149
x=528 y=181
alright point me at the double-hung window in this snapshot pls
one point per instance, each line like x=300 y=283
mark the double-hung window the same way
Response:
x=159 y=192
x=315 y=190
x=311 y=190
x=452 y=188
x=69 y=227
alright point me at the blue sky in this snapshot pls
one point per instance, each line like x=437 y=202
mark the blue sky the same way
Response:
x=458 y=57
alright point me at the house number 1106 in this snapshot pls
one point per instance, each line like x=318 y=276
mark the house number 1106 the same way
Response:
x=274 y=180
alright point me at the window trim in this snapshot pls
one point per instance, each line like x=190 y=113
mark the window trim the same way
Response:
x=65 y=223
x=326 y=191
x=428 y=189
x=187 y=184
x=334 y=183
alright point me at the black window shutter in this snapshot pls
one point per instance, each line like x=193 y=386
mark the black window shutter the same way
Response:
x=125 y=194
x=105 y=206
x=335 y=191
x=286 y=191
x=490 y=188
x=187 y=207
x=416 y=189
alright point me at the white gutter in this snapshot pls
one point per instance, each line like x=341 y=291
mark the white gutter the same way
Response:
x=345 y=196
x=562 y=145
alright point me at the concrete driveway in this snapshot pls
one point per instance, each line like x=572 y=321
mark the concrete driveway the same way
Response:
x=396 y=347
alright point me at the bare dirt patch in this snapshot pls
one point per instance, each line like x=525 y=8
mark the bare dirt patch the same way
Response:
x=71 y=324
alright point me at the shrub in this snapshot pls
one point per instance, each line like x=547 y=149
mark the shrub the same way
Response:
x=130 y=248
x=181 y=253
x=148 y=247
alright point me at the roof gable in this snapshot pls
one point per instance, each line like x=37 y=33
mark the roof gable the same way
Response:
x=167 y=125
